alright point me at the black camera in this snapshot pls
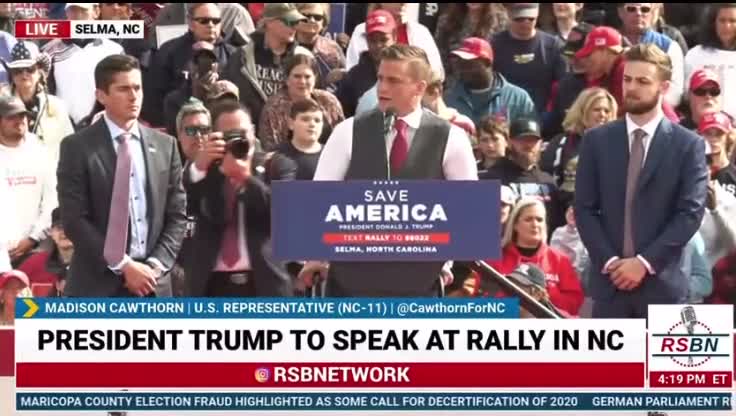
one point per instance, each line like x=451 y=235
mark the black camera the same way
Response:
x=237 y=144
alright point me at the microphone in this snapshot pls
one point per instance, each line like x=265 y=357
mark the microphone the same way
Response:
x=687 y=315
x=530 y=303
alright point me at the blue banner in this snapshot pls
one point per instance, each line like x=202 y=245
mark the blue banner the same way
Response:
x=337 y=20
x=386 y=220
x=376 y=401
x=241 y=308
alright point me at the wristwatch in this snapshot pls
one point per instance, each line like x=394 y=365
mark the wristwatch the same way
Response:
x=157 y=272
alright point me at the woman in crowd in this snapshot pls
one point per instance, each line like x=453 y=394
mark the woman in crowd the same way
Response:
x=524 y=242
x=409 y=32
x=560 y=18
x=48 y=118
x=717 y=51
x=310 y=34
x=719 y=222
x=465 y=20
x=593 y=107
x=300 y=81
x=493 y=139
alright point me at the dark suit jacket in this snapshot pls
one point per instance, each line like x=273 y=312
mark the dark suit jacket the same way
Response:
x=271 y=277
x=86 y=174
x=668 y=206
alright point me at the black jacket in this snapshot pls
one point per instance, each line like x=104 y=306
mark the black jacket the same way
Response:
x=168 y=72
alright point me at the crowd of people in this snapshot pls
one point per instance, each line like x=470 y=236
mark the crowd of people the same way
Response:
x=142 y=167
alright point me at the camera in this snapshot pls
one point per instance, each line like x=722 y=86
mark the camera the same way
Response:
x=237 y=144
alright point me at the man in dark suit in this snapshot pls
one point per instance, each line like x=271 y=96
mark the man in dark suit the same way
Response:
x=233 y=231
x=121 y=195
x=640 y=195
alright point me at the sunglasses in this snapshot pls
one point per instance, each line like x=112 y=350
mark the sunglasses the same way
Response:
x=18 y=71
x=634 y=9
x=207 y=20
x=702 y=92
x=291 y=23
x=314 y=17
x=197 y=130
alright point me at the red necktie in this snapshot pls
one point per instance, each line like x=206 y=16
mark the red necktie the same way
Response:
x=400 y=148
x=230 y=246
x=116 y=238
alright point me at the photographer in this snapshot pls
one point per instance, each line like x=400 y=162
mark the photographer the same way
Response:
x=232 y=235
x=201 y=81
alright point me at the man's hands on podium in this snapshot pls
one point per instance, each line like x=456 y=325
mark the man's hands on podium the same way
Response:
x=305 y=279
x=140 y=278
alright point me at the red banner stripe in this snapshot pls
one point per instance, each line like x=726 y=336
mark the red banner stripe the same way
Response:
x=240 y=375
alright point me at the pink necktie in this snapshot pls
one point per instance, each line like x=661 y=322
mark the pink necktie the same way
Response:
x=230 y=246
x=400 y=147
x=636 y=159
x=116 y=239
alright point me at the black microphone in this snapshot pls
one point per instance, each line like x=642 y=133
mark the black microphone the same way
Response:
x=528 y=302
x=687 y=315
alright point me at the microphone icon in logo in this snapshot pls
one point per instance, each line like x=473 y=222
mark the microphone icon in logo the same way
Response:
x=262 y=374
x=688 y=318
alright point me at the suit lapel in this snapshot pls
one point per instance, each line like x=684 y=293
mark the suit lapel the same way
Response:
x=620 y=149
x=657 y=150
x=153 y=186
x=105 y=151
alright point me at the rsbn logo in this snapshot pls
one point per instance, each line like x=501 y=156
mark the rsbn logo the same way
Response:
x=689 y=342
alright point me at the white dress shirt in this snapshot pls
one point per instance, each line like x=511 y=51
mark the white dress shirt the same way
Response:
x=458 y=162
x=243 y=264
x=650 y=128
x=138 y=202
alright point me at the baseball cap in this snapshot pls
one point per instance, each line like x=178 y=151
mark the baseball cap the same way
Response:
x=23 y=55
x=525 y=127
x=203 y=47
x=80 y=5
x=14 y=274
x=576 y=38
x=11 y=105
x=601 y=37
x=286 y=11
x=474 y=48
x=519 y=10
x=701 y=77
x=380 y=21
x=222 y=88
x=718 y=120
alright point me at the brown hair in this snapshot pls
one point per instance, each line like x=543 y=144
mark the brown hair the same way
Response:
x=651 y=54
x=301 y=59
x=417 y=58
x=492 y=124
x=325 y=10
x=306 y=105
x=107 y=68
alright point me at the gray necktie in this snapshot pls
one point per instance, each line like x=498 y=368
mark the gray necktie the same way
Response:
x=636 y=159
x=116 y=239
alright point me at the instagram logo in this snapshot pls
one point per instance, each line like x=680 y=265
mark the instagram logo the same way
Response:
x=262 y=374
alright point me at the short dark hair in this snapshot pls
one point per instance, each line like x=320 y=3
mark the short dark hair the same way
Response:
x=708 y=36
x=107 y=68
x=192 y=8
x=306 y=105
x=227 y=107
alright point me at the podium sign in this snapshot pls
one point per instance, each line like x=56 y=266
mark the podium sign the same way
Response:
x=386 y=220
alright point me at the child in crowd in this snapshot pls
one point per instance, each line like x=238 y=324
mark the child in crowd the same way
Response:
x=493 y=139
x=306 y=122
x=567 y=240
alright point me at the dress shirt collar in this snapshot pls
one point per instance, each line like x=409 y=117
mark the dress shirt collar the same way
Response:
x=649 y=128
x=116 y=130
x=414 y=118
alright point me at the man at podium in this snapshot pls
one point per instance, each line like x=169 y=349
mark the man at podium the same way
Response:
x=398 y=140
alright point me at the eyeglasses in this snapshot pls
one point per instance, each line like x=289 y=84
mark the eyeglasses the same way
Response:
x=291 y=23
x=642 y=9
x=197 y=130
x=315 y=17
x=207 y=20
x=702 y=92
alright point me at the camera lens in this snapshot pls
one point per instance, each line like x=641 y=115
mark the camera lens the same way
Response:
x=239 y=148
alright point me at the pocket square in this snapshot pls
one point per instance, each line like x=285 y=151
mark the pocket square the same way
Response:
x=152 y=149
